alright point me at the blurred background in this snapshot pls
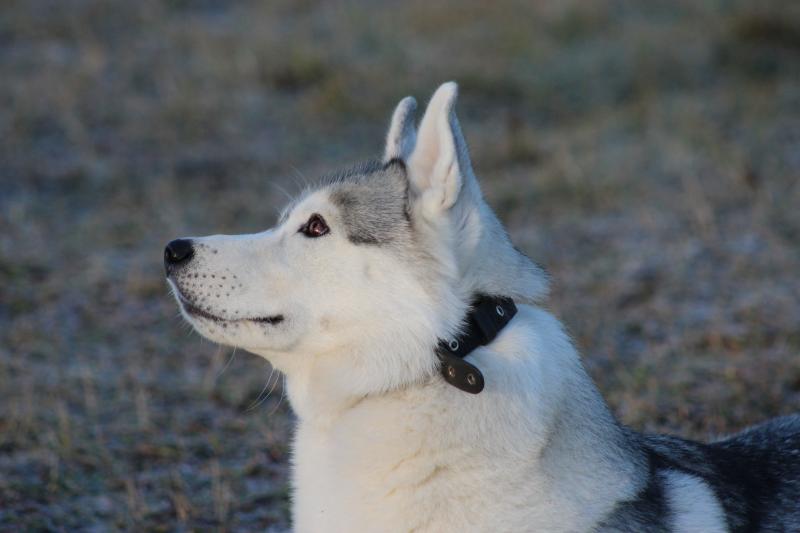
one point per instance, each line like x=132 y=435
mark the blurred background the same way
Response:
x=647 y=154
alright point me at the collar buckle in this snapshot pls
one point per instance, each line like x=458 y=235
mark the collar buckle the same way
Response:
x=486 y=318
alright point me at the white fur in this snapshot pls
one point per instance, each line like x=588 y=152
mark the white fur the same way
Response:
x=695 y=506
x=432 y=458
x=383 y=444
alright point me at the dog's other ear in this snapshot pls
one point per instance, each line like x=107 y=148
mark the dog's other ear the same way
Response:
x=439 y=163
x=402 y=133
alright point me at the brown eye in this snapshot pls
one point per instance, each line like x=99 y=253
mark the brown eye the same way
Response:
x=315 y=227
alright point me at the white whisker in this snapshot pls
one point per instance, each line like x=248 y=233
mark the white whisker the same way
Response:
x=297 y=174
x=230 y=359
x=280 y=400
x=284 y=191
x=261 y=397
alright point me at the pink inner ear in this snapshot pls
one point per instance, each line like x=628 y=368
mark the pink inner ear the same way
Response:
x=435 y=155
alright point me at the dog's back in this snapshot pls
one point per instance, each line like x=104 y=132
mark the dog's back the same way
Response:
x=753 y=479
x=759 y=476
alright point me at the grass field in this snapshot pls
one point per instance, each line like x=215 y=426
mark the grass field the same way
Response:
x=646 y=153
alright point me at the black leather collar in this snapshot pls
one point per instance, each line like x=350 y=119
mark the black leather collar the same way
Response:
x=487 y=316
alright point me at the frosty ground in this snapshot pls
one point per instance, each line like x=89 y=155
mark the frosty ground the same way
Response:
x=646 y=154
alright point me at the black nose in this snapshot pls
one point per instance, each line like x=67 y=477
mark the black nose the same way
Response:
x=177 y=252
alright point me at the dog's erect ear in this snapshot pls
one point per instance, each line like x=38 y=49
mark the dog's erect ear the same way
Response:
x=439 y=164
x=402 y=133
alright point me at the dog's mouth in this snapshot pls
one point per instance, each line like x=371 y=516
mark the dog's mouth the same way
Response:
x=193 y=310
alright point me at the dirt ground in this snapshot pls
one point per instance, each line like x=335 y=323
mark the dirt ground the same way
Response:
x=647 y=154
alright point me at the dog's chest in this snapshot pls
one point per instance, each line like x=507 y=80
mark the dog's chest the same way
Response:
x=390 y=471
x=369 y=471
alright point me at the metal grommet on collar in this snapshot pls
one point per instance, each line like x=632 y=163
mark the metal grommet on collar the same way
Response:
x=485 y=319
x=460 y=373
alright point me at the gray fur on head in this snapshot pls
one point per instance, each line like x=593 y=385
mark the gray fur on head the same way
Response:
x=385 y=203
x=372 y=202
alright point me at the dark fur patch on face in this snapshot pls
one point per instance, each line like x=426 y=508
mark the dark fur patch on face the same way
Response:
x=372 y=200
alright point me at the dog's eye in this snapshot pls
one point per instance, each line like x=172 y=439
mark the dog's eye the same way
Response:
x=315 y=227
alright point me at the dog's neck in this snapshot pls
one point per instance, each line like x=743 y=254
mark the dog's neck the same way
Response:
x=540 y=419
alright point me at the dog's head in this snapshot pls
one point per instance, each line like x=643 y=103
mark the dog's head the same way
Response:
x=363 y=274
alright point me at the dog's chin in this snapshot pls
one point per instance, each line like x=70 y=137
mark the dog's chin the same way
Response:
x=196 y=312
x=239 y=333
x=242 y=331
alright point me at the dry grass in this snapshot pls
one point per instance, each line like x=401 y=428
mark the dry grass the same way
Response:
x=646 y=153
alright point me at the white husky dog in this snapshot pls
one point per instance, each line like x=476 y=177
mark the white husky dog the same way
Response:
x=424 y=403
